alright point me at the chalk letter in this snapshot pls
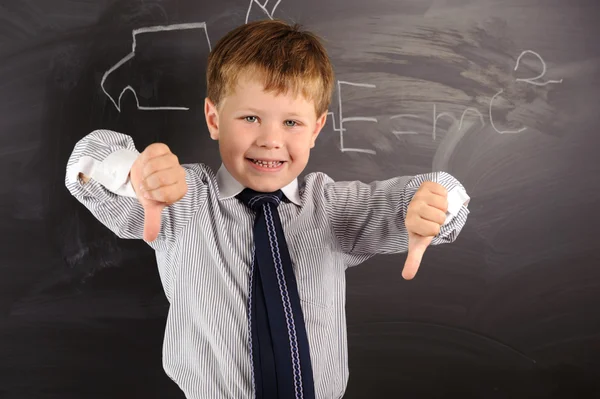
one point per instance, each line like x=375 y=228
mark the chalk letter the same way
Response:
x=492 y=119
x=341 y=129
x=436 y=117
x=465 y=112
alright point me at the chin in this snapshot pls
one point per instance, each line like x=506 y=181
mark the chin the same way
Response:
x=265 y=187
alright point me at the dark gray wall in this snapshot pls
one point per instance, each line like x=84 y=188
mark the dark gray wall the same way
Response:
x=509 y=310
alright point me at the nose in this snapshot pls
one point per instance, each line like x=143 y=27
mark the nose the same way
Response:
x=271 y=136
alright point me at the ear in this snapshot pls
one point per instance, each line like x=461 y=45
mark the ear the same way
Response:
x=320 y=123
x=212 y=118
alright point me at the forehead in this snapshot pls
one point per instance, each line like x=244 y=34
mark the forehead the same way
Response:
x=249 y=91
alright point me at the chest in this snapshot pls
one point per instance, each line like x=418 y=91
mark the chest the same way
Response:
x=226 y=241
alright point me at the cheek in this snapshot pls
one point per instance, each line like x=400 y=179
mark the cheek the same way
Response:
x=235 y=142
x=299 y=149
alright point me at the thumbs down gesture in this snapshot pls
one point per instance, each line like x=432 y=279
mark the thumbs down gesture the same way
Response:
x=425 y=216
x=158 y=181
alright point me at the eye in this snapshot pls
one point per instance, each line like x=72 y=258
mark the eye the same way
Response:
x=251 y=118
x=290 y=123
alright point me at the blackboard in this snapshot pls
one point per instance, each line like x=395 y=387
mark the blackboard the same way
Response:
x=504 y=95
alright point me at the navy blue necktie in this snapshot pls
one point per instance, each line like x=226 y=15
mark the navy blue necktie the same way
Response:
x=279 y=344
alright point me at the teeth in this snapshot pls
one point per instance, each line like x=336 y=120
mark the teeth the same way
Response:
x=270 y=164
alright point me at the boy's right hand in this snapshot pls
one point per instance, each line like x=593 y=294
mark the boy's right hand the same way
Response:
x=158 y=181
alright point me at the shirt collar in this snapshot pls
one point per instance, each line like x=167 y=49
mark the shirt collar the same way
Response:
x=230 y=187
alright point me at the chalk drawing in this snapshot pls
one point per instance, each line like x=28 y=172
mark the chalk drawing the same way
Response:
x=263 y=7
x=135 y=32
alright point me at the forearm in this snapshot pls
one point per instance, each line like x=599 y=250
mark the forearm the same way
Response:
x=369 y=219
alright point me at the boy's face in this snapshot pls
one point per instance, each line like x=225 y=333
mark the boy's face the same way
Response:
x=264 y=139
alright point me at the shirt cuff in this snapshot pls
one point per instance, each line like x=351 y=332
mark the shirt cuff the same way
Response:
x=457 y=198
x=112 y=172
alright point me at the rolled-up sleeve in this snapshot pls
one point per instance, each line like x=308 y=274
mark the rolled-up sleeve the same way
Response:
x=106 y=157
x=369 y=218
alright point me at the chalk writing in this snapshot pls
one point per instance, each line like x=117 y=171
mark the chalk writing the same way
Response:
x=131 y=55
x=541 y=75
x=492 y=119
x=263 y=7
x=532 y=81
x=437 y=116
x=341 y=118
x=473 y=110
x=404 y=116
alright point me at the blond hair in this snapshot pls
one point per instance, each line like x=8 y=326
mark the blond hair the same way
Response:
x=285 y=57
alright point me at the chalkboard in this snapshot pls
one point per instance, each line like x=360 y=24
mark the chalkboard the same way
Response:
x=504 y=95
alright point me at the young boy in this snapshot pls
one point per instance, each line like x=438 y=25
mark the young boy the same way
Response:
x=251 y=260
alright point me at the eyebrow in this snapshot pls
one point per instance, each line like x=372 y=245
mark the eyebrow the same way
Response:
x=255 y=111
x=250 y=109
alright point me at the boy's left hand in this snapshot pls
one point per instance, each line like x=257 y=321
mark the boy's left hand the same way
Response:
x=424 y=218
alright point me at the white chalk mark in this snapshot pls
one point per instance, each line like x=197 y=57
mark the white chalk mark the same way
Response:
x=262 y=7
x=465 y=112
x=541 y=75
x=359 y=118
x=341 y=129
x=436 y=117
x=355 y=84
x=135 y=32
x=492 y=119
x=404 y=116
x=335 y=129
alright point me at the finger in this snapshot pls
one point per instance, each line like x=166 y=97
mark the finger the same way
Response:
x=166 y=194
x=152 y=219
x=158 y=163
x=424 y=228
x=411 y=265
x=437 y=201
x=435 y=188
x=416 y=248
x=165 y=177
x=156 y=150
x=152 y=151
x=431 y=214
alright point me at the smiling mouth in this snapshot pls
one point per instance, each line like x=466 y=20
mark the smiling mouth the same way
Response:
x=266 y=164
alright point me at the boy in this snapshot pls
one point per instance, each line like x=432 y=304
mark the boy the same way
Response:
x=254 y=312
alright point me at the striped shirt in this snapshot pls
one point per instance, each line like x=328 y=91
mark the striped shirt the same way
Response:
x=204 y=251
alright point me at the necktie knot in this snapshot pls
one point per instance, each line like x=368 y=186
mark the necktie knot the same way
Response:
x=255 y=199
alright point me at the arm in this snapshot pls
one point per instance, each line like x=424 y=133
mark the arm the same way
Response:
x=104 y=158
x=368 y=219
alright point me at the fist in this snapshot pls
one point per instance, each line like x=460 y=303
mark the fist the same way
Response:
x=424 y=218
x=158 y=180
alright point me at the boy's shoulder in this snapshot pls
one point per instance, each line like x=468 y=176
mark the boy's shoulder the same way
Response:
x=314 y=178
x=204 y=171
x=314 y=183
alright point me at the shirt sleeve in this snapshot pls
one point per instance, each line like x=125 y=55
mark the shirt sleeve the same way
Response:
x=368 y=218
x=106 y=157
